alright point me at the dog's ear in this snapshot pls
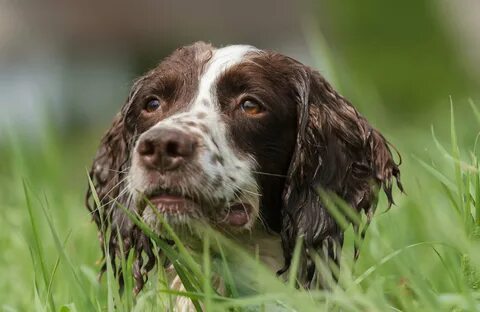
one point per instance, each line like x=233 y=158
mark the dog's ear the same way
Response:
x=108 y=175
x=106 y=170
x=339 y=152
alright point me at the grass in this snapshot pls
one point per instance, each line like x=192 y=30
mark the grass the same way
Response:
x=422 y=255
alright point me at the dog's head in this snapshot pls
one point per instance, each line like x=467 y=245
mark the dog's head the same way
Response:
x=234 y=137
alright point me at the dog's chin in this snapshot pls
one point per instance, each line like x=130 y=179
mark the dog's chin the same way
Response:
x=187 y=217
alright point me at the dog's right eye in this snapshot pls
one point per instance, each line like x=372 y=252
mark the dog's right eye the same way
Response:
x=152 y=105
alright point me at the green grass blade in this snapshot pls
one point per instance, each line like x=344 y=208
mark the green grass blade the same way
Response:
x=476 y=112
x=207 y=287
x=38 y=247
x=61 y=250
x=390 y=256
x=295 y=265
x=438 y=175
x=456 y=155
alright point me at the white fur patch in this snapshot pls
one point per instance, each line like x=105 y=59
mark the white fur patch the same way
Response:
x=221 y=60
x=235 y=171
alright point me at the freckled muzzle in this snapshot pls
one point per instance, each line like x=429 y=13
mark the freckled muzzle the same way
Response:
x=185 y=174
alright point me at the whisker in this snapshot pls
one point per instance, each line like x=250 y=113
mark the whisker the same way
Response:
x=114 y=187
x=127 y=204
x=119 y=171
x=250 y=192
x=269 y=174
x=121 y=193
x=235 y=186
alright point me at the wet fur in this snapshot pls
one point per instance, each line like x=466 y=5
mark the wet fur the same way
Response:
x=333 y=149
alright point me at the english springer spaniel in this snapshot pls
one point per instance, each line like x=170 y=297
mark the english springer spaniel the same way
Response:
x=243 y=140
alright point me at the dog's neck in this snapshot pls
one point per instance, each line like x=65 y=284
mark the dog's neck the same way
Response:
x=264 y=245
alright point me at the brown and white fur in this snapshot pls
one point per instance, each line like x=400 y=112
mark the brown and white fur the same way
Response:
x=242 y=140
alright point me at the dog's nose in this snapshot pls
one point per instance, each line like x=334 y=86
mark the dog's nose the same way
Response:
x=166 y=149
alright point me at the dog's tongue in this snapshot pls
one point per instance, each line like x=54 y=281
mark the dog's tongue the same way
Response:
x=239 y=214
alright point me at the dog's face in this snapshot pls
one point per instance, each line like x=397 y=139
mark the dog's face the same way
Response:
x=216 y=127
x=234 y=137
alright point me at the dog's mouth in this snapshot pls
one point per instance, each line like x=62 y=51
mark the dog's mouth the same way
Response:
x=168 y=204
x=238 y=214
x=174 y=204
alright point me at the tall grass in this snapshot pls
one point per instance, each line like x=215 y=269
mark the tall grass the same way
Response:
x=422 y=255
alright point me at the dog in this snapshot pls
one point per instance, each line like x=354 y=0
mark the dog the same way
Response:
x=242 y=140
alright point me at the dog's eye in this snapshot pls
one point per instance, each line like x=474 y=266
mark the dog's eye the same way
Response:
x=250 y=107
x=152 y=105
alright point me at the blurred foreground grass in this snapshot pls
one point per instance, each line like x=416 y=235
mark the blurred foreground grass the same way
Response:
x=422 y=255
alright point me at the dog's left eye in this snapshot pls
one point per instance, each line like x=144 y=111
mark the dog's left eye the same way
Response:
x=152 y=105
x=250 y=107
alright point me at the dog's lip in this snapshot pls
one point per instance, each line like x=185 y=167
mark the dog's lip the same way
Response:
x=238 y=214
x=167 y=203
x=167 y=199
x=166 y=195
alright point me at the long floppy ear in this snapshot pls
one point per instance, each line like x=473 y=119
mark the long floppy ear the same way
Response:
x=337 y=151
x=108 y=175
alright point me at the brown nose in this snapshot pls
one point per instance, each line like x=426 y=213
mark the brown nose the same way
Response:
x=165 y=149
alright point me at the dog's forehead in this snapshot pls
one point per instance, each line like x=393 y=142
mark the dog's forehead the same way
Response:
x=205 y=59
x=198 y=67
x=220 y=61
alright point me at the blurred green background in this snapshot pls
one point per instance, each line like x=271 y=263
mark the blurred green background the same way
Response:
x=70 y=63
x=67 y=66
